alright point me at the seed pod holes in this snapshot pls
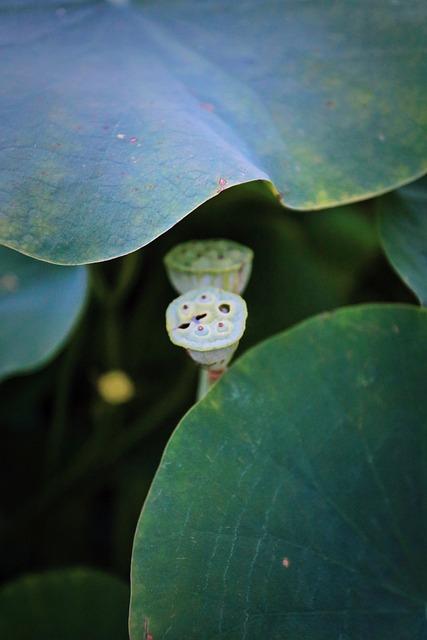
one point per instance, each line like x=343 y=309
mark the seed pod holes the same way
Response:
x=212 y=334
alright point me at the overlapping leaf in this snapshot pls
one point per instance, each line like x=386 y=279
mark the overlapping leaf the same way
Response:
x=117 y=121
x=290 y=502
x=39 y=305
x=403 y=225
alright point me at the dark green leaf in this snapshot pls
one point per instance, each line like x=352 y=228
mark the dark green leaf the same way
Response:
x=39 y=305
x=117 y=121
x=403 y=226
x=72 y=604
x=290 y=502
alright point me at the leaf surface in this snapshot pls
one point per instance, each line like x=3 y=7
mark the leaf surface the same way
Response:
x=39 y=305
x=403 y=228
x=66 y=604
x=118 y=120
x=290 y=502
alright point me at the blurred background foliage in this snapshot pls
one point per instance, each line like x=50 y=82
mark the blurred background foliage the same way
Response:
x=76 y=463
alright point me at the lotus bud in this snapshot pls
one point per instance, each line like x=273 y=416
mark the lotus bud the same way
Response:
x=209 y=323
x=217 y=263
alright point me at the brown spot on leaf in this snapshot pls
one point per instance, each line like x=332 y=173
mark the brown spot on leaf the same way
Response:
x=207 y=106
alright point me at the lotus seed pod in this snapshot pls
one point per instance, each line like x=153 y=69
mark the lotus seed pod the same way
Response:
x=217 y=263
x=209 y=323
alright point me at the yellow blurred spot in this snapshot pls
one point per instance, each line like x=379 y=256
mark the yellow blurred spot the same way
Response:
x=116 y=387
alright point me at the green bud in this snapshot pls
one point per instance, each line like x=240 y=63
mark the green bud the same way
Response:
x=218 y=263
x=209 y=323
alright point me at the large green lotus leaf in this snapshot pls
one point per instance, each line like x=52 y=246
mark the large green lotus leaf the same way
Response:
x=39 y=305
x=118 y=120
x=71 y=604
x=403 y=227
x=290 y=502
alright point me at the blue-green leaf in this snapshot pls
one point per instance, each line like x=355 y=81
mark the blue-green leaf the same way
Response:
x=39 y=305
x=403 y=227
x=118 y=120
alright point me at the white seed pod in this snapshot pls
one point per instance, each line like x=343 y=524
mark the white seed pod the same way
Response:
x=209 y=323
x=218 y=263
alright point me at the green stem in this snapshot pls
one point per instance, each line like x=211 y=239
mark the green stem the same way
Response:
x=130 y=269
x=57 y=431
x=113 y=295
x=112 y=337
x=89 y=461
x=98 y=285
x=206 y=380
x=111 y=298
x=203 y=385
